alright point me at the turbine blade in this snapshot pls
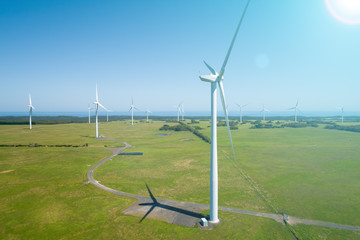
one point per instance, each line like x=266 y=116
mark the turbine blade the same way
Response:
x=223 y=101
x=97 y=97
x=233 y=41
x=103 y=107
x=30 y=100
x=210 y=68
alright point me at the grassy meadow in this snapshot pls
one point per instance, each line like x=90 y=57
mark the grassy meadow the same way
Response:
x=308 y=173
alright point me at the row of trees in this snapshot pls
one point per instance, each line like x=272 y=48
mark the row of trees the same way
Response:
x=278 y=124
x=183 y=127
x=354 y=128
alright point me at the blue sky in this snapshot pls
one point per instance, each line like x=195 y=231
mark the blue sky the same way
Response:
x=287 y=50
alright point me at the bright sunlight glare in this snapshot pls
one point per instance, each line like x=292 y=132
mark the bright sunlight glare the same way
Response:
x=347 y=11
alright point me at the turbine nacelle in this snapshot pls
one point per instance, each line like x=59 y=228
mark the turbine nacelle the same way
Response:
x=213 y=77
x=209 y=78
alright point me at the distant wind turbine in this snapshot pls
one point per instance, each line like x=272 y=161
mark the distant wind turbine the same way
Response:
x=97 y=104
x=241 y=107
x=264 y=110
x=107 y=115
x=89 y=109
x=132 y=107
x=178 y=111
x=147 y=115
x=217 y=79
x=296 y=109
x=31 y=107
x=342 y=114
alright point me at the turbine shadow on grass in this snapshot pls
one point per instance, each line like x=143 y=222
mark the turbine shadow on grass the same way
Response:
x=155 y=204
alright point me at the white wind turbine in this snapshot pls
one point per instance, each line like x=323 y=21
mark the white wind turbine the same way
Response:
x=241 y=107
x=107 y=114
x=342 y=114
x=217 y=79
x=132 y=107
x=89 y=109
x=179 y=111
x=296 y=109
x=31 y=107
x=147 y=115
x=97 y=104
x=264 y=110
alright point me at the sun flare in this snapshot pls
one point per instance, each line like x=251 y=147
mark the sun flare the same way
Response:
x=347 y=11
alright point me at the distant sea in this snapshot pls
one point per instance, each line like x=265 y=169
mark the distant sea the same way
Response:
x=190 y=113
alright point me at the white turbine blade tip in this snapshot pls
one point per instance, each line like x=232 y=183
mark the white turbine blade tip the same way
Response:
x=210 y=68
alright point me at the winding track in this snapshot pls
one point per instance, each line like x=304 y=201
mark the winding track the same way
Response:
x=277 y=217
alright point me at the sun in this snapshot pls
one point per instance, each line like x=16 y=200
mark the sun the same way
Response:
x=346 y=11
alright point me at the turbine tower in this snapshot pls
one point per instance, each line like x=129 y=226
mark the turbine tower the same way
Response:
x=31 y=107
x=216 y=80
x=241 y=107
x=147 y=115
x=97 y=104
x=132 y=107
x=296 y=109
x=264 y=110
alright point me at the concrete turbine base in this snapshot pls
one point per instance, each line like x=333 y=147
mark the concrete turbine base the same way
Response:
x=216 y=222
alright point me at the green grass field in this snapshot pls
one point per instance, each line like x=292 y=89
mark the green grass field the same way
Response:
x=307 y=173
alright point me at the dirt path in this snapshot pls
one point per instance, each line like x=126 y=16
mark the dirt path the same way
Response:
x=185 y=213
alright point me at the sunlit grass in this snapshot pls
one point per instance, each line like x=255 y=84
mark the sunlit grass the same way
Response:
x=308 y=173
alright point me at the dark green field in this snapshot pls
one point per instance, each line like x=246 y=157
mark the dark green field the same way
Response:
x=310 y=173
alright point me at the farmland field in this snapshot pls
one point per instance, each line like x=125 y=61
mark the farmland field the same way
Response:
x=310 y=173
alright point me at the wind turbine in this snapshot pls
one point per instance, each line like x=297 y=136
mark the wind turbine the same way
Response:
x=89 y=109
x=217 y=79
x=97 y=104
x=179 y=111
x=132 y=107
x=107 y=114
x=147 y=115
x=241 y=107
x=264 y=110
x=31 y=107
x=296 y=109
x=342 y=114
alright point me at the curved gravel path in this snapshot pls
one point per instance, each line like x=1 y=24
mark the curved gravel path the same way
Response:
x=189 y=207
